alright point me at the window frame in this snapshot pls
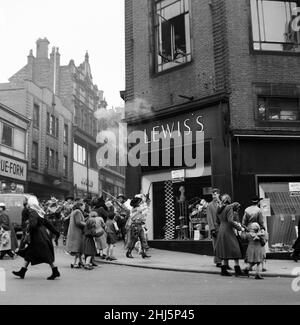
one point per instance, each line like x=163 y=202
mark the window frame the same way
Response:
x=66 y=133
x=80 y=154
x=65 y=166
x=36 y=121
x=156 y=28
x=35 y=162
x=52 y=125
x=12 y=135
x=251 y=38
x=276 y=121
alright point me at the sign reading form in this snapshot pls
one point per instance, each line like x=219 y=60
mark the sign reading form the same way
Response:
x=12 y=168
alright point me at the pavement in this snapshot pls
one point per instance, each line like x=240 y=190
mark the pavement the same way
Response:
x=194 y=263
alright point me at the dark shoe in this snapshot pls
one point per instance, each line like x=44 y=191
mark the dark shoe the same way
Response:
x=224 y=271
x=21 y=273
x=75 y=266
x=11 y=254
x=228 y=268
x=94 y=264
x=219 y=265
x=108 y=258
x=55 y=274
x=294 y=257
x=128 y=255
x=246 y=272
x=144 y=255
x=258 y=277
x=112 y=258
x=264 y=270
x=238 y=271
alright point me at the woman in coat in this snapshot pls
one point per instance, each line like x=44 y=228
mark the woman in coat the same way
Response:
x=75 y=234
x=227 y=245
x=39 y=249
x=6 y=224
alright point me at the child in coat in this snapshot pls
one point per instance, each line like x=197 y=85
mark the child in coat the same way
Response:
x=255 y=254
x=88 y=246
x=112 y=230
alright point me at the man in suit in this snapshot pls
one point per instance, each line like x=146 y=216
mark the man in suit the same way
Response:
x=211 y=212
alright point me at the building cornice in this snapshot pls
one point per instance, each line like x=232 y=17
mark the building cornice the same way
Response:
x=170 y=111
x=14 y=113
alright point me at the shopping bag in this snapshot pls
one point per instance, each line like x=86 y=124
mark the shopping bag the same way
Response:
x=5 y=241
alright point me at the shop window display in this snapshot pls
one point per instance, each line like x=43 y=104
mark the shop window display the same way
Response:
x=281 y=212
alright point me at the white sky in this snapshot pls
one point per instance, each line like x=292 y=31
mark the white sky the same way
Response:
x=75 y=26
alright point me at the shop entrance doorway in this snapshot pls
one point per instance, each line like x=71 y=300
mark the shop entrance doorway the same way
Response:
x=281 y=210
x=171 y=202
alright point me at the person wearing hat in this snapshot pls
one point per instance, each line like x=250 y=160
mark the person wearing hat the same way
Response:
x=66 y=212
x=254 y=214
x=75 y=234
x=211 y=213
x=53 y=214
x=136 y=221
x=39 y=249
x=122 y=214
x=6 y=225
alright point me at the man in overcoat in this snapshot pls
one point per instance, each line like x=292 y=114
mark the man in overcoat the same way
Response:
x=211 y=212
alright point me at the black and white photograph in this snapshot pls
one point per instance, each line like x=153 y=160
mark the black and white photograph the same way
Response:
x=149 y=155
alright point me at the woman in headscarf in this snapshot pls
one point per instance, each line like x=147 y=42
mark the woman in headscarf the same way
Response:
x=227 y=245
x=39 y=249
x=75 y=234
x=6 y=224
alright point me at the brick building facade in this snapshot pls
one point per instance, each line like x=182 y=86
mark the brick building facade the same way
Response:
x=64 y=99
x=235 y=64
x=49 y=148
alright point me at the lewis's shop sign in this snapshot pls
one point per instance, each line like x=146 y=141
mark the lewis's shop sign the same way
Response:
x=12 y=168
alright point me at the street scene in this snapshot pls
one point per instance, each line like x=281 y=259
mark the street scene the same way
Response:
x=149 y=153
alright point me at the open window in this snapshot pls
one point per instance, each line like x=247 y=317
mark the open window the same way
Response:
x=276 y=25
x=172 y=30
x=278 y=109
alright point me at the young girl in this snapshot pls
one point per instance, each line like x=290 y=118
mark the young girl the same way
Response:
x=88 y=245
x=255 y=255
x=112 y=229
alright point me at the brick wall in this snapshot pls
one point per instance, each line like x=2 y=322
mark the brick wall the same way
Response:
x=195 y=79
x=222 y=61
x=247 y=68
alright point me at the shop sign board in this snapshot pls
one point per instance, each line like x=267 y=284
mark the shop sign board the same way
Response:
x=178 y=176
x=265 y=206
x=294 y=189
x=13 y=169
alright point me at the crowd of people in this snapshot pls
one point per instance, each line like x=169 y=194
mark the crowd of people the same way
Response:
x=229 y=233
x=89 y=228
x=92 y=227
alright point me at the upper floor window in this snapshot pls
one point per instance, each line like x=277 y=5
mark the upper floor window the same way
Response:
x=36 y=116
x=276 y=25
x=7 y=135
x=80 y=154
x=12 y=137
x=278 y=109
x=66 y=134
x=35 y=155
x=172 y=30
x=52 y=125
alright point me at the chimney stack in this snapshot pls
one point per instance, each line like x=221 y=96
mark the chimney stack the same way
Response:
x=42 y=48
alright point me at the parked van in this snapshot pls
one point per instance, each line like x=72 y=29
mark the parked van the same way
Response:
x=14 y=206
